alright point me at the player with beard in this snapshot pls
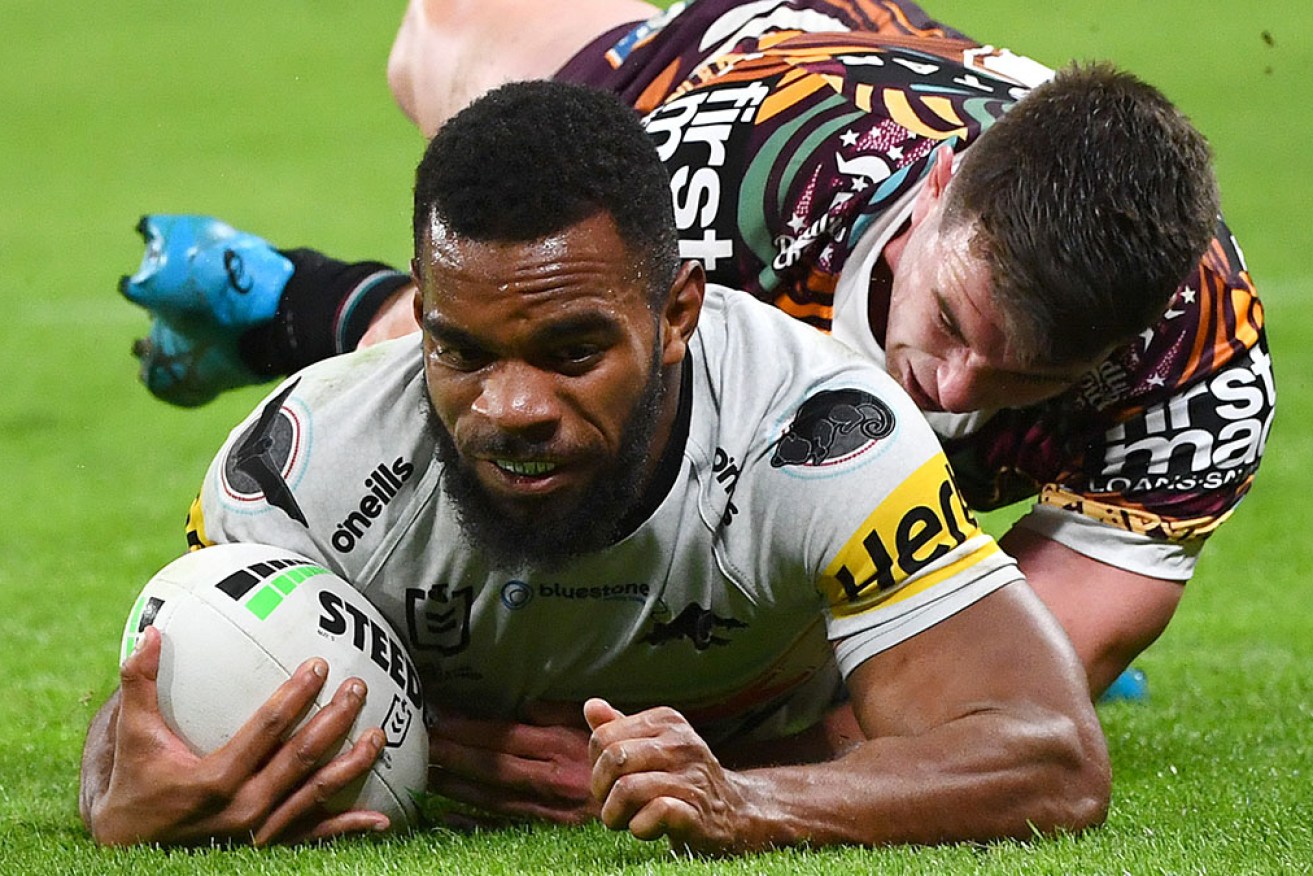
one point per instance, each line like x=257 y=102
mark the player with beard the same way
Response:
x=789 y=534
x=545 y=535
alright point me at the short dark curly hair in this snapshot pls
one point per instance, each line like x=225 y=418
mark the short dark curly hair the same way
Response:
x=1093 y=199
x=531 y=158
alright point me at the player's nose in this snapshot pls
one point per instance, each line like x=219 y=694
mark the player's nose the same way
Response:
x=963 y=387
x=517 y=397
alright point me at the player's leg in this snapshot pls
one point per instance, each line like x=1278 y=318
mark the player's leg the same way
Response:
x=449 y=52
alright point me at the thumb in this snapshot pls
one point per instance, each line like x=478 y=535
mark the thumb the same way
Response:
x=598 y=711
x=139 y=673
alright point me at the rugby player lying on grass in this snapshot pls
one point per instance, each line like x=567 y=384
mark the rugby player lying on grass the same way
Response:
x=582 y=411
x=1051 y=286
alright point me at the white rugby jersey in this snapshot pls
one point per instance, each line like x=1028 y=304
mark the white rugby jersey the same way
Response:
x=813 y=524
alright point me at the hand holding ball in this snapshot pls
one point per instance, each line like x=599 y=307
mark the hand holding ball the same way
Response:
x=236 y=622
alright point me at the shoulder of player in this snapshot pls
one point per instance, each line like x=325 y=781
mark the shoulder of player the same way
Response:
x=372 y=373
x=335 y=448
x=346 y=406
x=767 y=381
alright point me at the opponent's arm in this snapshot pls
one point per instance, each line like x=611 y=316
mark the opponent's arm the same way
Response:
x=394 y=318
x=1228 y=390
x=142 y=784
x=980 y=727
x=1110 y=614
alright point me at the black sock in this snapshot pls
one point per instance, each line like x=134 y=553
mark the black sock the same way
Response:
x=325 y=310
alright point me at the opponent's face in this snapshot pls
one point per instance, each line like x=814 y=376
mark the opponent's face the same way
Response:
x=545 y=369
x=946 y=341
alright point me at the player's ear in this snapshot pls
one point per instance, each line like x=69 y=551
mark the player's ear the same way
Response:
x=941 y=171
x=419 y=297
x=683 y=306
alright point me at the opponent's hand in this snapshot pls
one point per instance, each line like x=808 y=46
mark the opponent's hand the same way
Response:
x=256 y=788
x=657 y=777
x=538 y=770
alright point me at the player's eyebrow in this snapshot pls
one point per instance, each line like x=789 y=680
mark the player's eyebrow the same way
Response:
x=585 y=324
x=594 y=323
x=444 y=332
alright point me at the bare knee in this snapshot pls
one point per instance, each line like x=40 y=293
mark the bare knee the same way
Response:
x=449 y=52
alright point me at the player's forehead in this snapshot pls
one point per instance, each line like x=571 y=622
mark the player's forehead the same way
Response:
x=573 y=282
x=591 y=246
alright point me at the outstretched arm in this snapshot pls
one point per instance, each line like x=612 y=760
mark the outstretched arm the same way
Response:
x=142 y=784
x=979 y=728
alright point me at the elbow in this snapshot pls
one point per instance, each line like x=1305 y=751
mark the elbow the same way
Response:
x=1078 y=780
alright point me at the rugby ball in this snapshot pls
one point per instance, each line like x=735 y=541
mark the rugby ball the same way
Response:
x=237 y=620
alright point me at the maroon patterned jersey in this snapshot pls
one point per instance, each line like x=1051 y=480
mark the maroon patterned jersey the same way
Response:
x=796 y=133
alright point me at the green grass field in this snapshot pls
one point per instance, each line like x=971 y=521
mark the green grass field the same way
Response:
x=276 y=117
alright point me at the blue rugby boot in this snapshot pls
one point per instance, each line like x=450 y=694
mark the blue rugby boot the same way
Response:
x=199 y=270
x=189 y=368
x=204 y=284
x=1131 y=686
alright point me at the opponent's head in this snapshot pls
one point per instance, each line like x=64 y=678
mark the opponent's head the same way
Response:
x=1064 y=232
x=555 y=311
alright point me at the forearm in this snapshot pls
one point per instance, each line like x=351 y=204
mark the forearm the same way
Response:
x=987 y=775
x=1109 y=614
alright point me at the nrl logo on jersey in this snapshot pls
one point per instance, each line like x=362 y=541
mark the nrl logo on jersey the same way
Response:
x=833 y=427
x=438 y=619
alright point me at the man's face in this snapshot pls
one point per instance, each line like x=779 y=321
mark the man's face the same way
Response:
x=946 y=341
x=543 y=362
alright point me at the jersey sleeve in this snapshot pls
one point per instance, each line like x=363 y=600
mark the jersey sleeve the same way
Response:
x=917 y=559
x=1154 y=450
x=326 y=465
x=249 y=491
x=853 y=508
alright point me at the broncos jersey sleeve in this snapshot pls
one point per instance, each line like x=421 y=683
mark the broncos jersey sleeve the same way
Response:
x=1139 y=463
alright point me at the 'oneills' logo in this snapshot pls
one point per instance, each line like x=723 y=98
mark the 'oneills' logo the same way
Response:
x=917 y=525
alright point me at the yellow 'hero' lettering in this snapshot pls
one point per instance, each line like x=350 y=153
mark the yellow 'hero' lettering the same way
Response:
x=917 y=525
